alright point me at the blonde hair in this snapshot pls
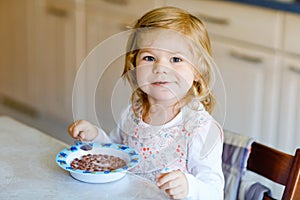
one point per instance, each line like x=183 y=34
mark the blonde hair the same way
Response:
x=187 y=25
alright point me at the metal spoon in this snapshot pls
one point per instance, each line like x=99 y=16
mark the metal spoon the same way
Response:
x=84 y=145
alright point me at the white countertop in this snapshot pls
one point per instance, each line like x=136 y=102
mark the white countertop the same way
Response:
x=28 y=170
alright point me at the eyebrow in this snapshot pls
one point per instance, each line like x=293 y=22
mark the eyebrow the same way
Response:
x=148 y=50
x=143 y=50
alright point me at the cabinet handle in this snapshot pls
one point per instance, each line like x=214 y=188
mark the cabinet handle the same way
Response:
x=213 y=20
x=294 y=69
x=118 y=2
x=246 y=58
x=58 y=12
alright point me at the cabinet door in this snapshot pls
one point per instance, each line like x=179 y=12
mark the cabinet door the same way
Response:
x=16 y=51
x=291 y=42
x=289 y=120
x=237 y=21
x=55 y=65
x=250 y=79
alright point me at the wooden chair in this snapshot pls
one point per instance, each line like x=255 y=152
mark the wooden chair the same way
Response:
x=277 y=166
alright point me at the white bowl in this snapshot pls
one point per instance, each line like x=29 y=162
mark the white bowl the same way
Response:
x=67 y=155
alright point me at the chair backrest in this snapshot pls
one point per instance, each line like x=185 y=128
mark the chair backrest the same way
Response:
x=277 y=166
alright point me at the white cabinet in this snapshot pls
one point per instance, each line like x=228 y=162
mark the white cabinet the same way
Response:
x=16 y=54
x=39 y=55
x=289 y=119
x=250 y=78
x=251 y=24
x=55 y=51
x=289 y=116
x=292 y=34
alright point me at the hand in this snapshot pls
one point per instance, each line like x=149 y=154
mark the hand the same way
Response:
x=174 y=183
x=83 y=130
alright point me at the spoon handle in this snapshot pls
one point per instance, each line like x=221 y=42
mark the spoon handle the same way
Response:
x=83 y=145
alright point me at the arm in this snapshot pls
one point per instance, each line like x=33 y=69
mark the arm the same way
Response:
x=115 y=135
x=205 y=178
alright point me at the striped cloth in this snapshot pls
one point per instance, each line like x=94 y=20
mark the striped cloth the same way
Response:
x=236 y=150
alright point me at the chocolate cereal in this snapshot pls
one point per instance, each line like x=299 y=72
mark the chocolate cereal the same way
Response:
x=97 y=163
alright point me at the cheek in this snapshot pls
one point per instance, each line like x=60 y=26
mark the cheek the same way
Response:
x=141 y=76
x=187 y=78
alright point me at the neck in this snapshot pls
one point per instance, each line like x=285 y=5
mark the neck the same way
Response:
x=161 y=112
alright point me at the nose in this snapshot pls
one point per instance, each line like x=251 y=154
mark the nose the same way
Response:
x=160 y=68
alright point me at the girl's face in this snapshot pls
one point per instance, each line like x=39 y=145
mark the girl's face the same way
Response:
x=163 y=68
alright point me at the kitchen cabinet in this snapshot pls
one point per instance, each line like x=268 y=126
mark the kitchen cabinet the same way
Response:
x=289 y=117
x=291 y=43
x=39 y=55
x=250 y=24
x=55 y=61
x=250 y=79
x=16 y=52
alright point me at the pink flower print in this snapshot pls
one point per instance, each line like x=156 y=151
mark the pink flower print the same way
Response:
x=146 y=152
x=136 y=132
x=180 y=152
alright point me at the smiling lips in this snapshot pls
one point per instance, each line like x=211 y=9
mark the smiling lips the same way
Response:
x=160 y=83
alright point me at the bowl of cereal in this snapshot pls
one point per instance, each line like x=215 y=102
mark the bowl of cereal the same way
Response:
x=101 y=164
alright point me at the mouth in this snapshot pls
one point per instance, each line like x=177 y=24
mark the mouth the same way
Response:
x=160 y=83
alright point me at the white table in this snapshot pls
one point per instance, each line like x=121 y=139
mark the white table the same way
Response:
x=28 y=171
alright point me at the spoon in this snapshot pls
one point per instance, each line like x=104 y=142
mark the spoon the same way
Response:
x=84 y=145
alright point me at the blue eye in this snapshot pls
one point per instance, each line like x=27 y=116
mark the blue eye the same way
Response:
x=176 y=59
x=149 y=58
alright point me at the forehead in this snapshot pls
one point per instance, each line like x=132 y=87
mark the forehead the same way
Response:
x=167 y=40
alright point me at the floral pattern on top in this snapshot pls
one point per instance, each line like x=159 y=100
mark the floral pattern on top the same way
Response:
x=163 y=148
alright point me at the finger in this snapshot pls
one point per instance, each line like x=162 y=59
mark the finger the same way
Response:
x=180 y=195
x=170 y=184
x=174 y=190
x=77 y=128
x=79 y=131
x=167 y=177
x=71 y=129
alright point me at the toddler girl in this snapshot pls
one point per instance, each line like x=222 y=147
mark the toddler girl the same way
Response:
x=168 y=121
